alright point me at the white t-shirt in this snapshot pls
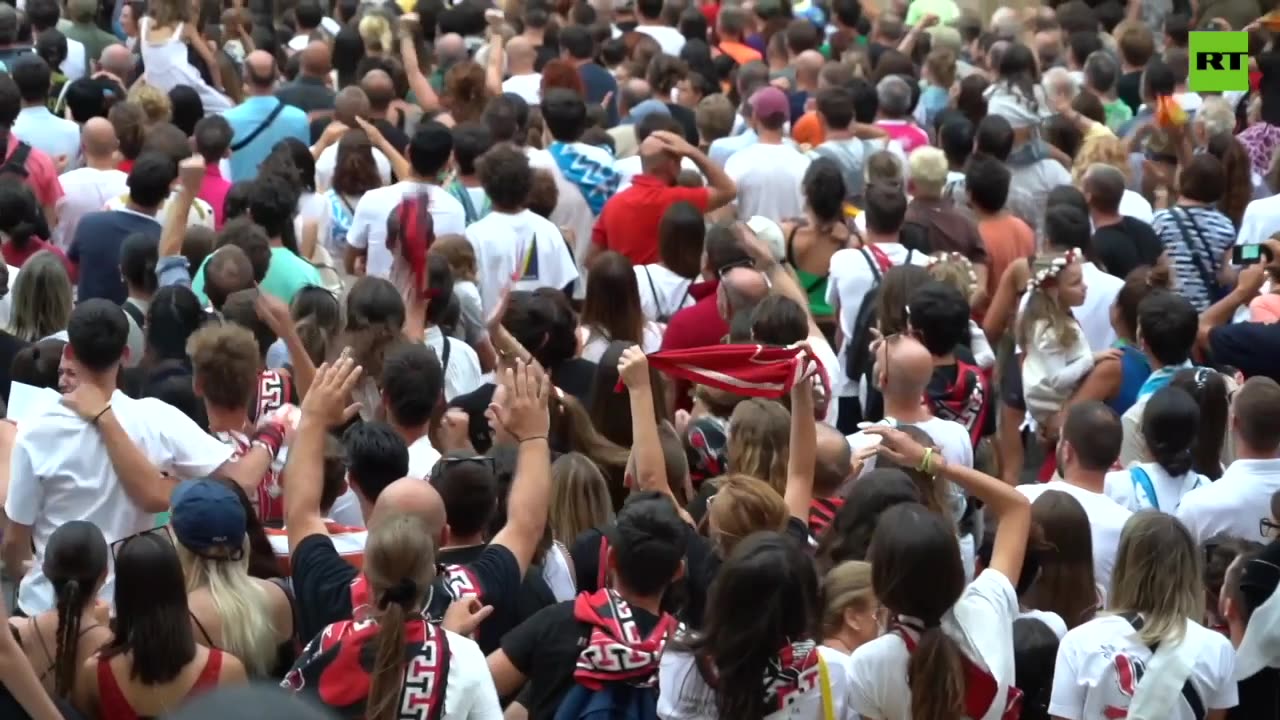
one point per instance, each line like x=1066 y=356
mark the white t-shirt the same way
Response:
x=528 y=87
x=662 y=292
x=1121 y=487
x=1235 y=503
x=594 y=344
x=669 y=38
x=685 y=695
x=850 y=279
x=1098 y=662
x=1133 y=205
x=469 y=693
x=76 y=64
x=327 y=163
x=87 y=190
x=629 y=167
x=200 y=214
x=505 y=242
x=59 y=472
x=1261 y=220
x=369 y=225
x=1052 y=620
x=950 y=436
x=462 y=375
x=423 y=456
x=1038 y=178
x=572 y=210
x=1106 y=522
x=981 y=623
x=769 y=179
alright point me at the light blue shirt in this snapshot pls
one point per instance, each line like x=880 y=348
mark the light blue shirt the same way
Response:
x=48 y=133
x=246 y=117
x=723 y=148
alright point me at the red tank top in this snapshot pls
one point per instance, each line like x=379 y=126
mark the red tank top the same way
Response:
x=115 y=706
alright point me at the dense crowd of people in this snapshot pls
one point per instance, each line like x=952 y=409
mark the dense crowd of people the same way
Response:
x=638 y=359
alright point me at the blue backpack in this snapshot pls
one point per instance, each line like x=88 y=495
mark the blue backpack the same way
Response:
x=615 y=701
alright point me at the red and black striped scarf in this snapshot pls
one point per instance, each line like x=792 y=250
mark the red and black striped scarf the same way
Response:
x=615 y=651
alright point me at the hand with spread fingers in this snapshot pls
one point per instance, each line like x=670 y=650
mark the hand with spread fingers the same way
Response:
x=520 y=402
x=633 y=368
x=328 y=398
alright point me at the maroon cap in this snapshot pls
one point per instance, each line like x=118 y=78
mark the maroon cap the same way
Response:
x=770 y=101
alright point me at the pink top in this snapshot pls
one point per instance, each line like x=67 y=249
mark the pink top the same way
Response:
x=42 y=175
x=1265 y=308
x=214 y=191
x=907 y=133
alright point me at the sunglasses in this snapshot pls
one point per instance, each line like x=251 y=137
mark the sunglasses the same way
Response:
x=1267 y=528
x=162 y=531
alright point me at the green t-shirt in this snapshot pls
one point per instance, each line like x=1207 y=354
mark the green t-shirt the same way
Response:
x=286 y=275
x=1118 y=113
x=946 y=11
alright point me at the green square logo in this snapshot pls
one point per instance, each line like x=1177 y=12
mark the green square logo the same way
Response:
x=1219 y=62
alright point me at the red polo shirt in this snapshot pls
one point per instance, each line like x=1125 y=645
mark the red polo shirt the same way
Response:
x=628 y=224
x=698 y=325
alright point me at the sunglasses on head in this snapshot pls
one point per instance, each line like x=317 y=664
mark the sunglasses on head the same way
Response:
x=161 y=531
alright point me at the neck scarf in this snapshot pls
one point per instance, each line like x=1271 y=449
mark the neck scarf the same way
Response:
x=1159 y=378
x=597 y=182
x=615 y=651
x=752 y=370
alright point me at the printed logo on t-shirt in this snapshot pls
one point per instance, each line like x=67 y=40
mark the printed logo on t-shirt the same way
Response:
x=529 y=263
x=1128 y=673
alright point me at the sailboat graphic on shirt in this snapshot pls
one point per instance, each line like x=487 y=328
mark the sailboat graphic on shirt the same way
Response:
x=529 y=261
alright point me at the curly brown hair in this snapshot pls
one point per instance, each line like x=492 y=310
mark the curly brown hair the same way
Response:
x=464 y=91
x=224 y=363
x=355 y=171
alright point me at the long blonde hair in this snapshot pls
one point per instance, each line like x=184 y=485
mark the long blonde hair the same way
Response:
x=42 y=298
x=1158 y=573
x=247 y=631
x=759 y=439
x=580 y=498
x=375 y=31
x=1043 y=304
x=845 y=585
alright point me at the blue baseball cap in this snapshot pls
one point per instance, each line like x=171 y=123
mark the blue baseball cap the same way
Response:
x=207 y=514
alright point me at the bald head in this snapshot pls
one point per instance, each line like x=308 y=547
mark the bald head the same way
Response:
x=741 y=289
x=98 y=138
x=260 y=71
x=903 y=366
x=412 y=496
x=520 y=55
x=832 y=461
x=350 y=103
x=450 y=48
x=117 y=60
x=316 y=59
x=379 y=88
x=657 y=160
x=632 y=93
x=808 y=64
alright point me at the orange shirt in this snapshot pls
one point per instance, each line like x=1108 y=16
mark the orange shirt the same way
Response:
x=741 y=54
x=1006 y=239
x=808 y=130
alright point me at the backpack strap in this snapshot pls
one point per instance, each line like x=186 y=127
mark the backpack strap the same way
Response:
x=872 y=263
x=134 y=313
x=266 y=123
x=17 y=162
x=1205 y=276
x=657 y=301
x=602 y=571
x=444 y=355
x=883 y=260
x=1142 y=480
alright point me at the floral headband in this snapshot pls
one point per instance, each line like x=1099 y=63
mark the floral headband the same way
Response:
x=954 y=258
x=1051 y=270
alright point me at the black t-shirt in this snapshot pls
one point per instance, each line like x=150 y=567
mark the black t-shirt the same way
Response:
x=1259 y=696
x=544 y=55
x=512 y=605
x=10 y=346
x=1129 y=89
x=322 y=585
x=545 y=649
x=1121 y=247
x=1250 y=347
x=685 y=117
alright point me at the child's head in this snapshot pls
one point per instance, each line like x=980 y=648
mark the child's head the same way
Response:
x=1056 y=286
x=459 y=253
x=954 y=269
x=940 y=68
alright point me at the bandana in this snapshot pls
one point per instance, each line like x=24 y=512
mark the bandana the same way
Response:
x=459 y=582
x=615 y=651
x=410 y=235
x=752 y=370
x=336 y=666
x=794 y=670
x=597 y=182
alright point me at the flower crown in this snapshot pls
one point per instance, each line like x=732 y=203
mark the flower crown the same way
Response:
x=1051 y=270
x=957 y=259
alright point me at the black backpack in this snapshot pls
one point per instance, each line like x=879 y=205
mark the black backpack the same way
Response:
x=858 y=360
x=16 y=164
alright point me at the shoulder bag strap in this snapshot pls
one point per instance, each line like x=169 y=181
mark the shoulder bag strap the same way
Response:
x=657 y=302
x=271 y=117
x=1142 y=480
x=444 y=355
x=1205 y=275
x=871 y=263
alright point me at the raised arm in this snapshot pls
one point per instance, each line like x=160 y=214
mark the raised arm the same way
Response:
x=798 y=493
x=650 y=471
x=172 y=267
x=721 y=188
x=272 y=311
x=783 y=282
x=418 y=83
x=520 y=406
x=496 y=61
x=324 y=407
x=1004 y=306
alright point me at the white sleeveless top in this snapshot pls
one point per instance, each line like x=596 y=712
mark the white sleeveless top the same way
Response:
x=167 y=67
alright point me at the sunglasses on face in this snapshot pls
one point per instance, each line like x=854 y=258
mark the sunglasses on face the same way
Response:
x=1267 y=528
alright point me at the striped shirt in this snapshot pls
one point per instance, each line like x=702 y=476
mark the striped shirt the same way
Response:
x=822 y=511
x=1196 y=239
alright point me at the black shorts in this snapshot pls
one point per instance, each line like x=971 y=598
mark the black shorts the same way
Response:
x=1011 y=381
